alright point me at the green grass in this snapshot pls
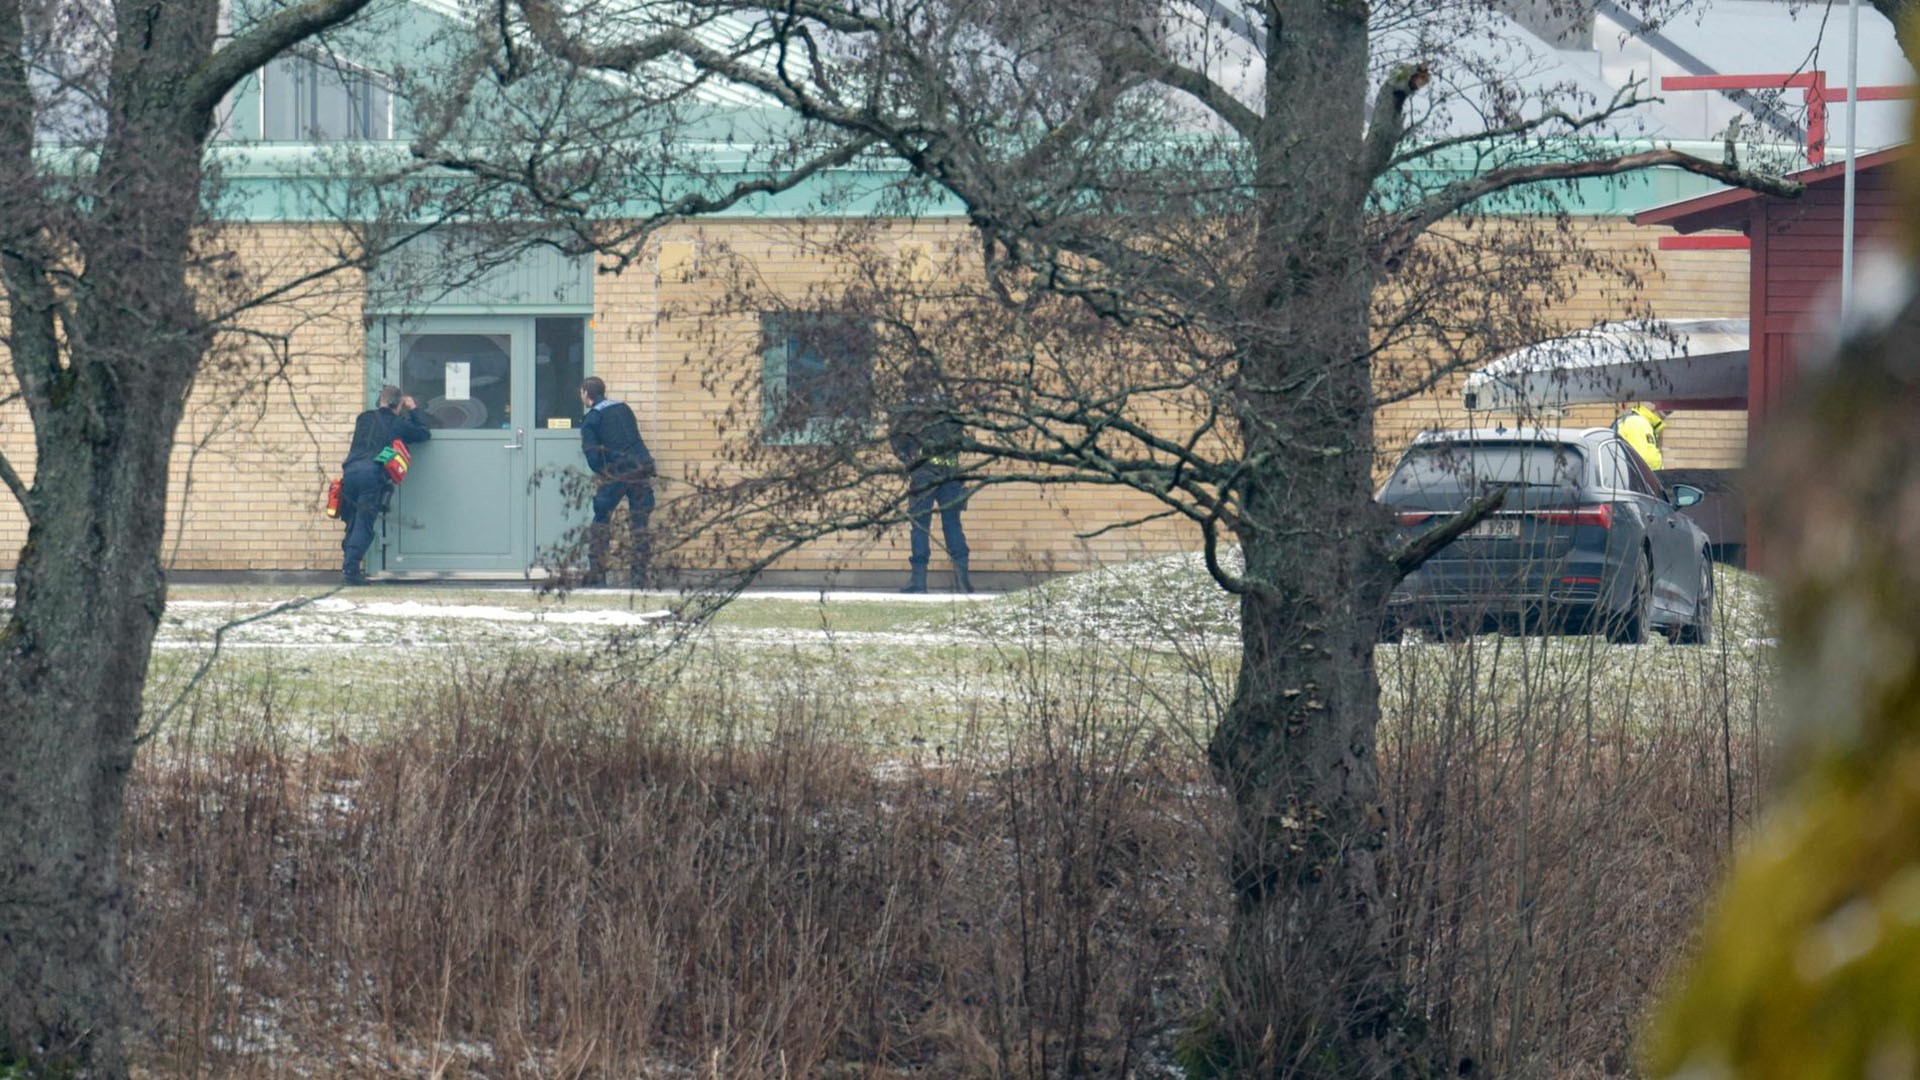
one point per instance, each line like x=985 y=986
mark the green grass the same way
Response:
x=896 y=673
x=863 y=616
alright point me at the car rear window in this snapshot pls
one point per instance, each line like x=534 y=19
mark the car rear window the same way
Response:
x=1453 y=467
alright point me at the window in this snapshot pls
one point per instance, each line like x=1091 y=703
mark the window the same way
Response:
x=1450 y=468
x=1641 y=478
x=819 y=377
x=321 y=99
x=1616 y=474
x=461 y=380
x=559 y=363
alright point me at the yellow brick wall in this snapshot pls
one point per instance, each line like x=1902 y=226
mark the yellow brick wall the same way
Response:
x=653 y=328
x=248 y=475
x=266 y=425
x=1679 y=284
x=1703 y=284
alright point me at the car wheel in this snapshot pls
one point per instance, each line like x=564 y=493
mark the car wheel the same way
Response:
x=1699 y=629
x=1630 y=625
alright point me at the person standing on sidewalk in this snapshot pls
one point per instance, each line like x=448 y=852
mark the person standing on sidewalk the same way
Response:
x=623 y=471
x=926 y=438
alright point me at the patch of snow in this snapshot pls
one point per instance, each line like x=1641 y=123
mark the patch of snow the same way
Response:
x=220 y=605
x=414 y=609
x=853 y=596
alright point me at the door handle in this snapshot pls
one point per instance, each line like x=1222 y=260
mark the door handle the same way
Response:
x=519 y=440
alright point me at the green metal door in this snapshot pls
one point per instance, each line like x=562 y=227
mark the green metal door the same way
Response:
x=497 y=391
x=562 y=354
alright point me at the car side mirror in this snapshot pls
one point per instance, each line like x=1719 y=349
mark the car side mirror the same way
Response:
x=1685 y=495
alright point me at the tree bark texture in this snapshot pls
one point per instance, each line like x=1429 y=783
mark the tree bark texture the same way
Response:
x=106 y=395
x=1905 y=16
x=1311 y=988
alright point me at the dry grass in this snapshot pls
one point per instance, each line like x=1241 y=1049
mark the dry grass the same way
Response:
x=538 y=879
x=1562 y=809
x=543 y=868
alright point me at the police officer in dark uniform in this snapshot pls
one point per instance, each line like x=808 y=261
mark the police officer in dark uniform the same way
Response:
x=364 y=486
x=623 y=469
x=926 y=438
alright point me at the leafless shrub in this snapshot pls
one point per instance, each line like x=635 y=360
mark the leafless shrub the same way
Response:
x=553 y=868
x=1561 y=809
x=537 y=878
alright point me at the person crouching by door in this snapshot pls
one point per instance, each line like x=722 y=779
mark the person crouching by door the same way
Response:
x=364 y=485
x=622 y=470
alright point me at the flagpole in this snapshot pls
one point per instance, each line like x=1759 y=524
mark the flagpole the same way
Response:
x=1847 y=198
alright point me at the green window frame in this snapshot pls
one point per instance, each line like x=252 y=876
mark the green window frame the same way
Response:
x=817 y=386
x=306 y=96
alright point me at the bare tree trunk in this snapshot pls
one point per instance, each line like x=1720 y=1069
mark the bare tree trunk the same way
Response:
x=89 y=591
x=106 y=394
x=1312 y=988
x=1311 y=985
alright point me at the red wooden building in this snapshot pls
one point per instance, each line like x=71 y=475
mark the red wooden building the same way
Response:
x=1795 y=247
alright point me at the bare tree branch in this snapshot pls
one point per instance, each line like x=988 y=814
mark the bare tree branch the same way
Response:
x=22 y=494
x=1410 y=224
x=260 y=43
x=1125 y=524
x=1210 y=550
x=213 y=655
x=692 y=204
x=544 y=20
x=1424 y=546
x=1625 y=100
x=1389 y=123
x=1244 y=121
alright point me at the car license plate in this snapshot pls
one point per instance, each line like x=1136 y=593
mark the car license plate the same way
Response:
x=1495 y=529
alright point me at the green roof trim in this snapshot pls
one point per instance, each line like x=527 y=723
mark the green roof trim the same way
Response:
x=305 y=182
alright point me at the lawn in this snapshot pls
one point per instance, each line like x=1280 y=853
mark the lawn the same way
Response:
x=486 y=832
x=903 y=672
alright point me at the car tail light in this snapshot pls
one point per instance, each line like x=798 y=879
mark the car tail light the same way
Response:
x=1414 y=517
x=1579 y=581
x=1601 y=515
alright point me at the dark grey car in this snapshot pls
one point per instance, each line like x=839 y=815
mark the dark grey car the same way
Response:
x=1588 y=539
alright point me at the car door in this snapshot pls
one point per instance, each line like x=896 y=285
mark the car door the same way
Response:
x=1622 y=490
x=1674 y=581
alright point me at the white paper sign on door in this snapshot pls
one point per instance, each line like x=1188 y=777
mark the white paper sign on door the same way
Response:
x=459 y=381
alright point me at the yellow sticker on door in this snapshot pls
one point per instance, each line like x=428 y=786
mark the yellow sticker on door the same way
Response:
x=559 y=422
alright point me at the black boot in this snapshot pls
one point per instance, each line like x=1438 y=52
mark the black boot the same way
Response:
x=961 y=582
x=599 y=539
x=916 y=581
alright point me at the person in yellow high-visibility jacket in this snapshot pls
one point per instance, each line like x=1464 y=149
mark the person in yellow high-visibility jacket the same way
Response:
x=1641 y=427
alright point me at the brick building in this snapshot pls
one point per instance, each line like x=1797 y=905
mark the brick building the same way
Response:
x=252 y=461
x=497 y=361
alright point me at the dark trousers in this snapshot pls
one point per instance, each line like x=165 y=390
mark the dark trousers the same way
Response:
x=927 y=488
x=363 y=491
x=638 y=495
